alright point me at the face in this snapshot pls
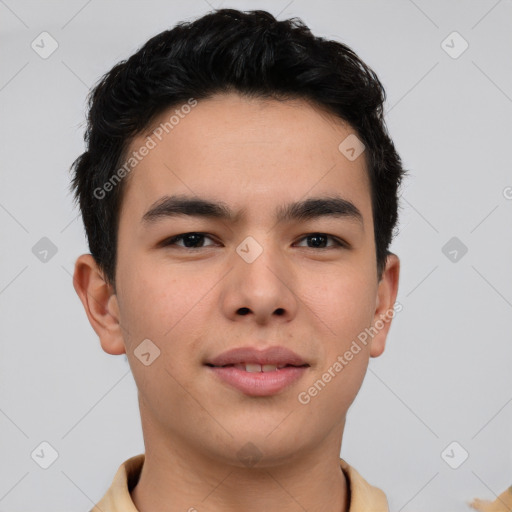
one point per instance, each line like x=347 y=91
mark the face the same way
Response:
x=281 y=255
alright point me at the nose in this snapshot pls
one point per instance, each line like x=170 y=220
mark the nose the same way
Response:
x=261 y=290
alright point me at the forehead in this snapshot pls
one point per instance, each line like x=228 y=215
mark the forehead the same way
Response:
x=245 y=152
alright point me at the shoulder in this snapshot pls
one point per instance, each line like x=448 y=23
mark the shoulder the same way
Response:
x=364 y=497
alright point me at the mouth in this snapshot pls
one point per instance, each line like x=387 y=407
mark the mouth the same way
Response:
x=258 y=372
x=252 y=357
x=256 y=368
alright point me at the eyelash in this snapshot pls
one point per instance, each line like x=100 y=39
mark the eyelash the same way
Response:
x=338 y=243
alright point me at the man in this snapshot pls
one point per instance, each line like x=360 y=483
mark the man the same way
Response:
x=239 y=192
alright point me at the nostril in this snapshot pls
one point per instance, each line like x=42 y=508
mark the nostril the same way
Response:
x=243 y=311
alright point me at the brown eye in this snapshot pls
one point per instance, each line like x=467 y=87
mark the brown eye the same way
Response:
x=320 y=241
x=188 y=241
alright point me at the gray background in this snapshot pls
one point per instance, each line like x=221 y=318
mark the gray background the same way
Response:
x=446 y=374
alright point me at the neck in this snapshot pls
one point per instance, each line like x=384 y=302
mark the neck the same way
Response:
x=179 y=477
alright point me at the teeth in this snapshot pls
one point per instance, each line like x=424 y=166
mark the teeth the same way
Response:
x=253 y=368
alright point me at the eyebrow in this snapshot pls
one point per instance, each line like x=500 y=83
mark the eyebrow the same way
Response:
x=308 y=209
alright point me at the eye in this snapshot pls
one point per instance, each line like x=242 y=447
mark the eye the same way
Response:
x=320 y=240
x=190 y=241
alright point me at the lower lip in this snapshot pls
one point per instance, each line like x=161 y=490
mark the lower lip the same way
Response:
x=259 y=383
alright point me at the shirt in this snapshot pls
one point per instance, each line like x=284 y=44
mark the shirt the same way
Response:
x=363 y=496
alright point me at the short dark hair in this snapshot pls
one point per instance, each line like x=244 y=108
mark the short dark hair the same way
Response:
x=253 y=54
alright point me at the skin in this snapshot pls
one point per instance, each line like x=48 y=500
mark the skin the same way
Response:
x=255 y=155
x=503 y=503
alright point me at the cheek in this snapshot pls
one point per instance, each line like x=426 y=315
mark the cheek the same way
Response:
x=343 y=301
x=349 y=311
x=158 y=298
x=166 y=309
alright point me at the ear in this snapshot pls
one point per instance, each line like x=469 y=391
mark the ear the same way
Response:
x=100 y=303
x=386 y=296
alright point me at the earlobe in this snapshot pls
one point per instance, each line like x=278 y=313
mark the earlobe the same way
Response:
x=100 y=304
x=385 y=302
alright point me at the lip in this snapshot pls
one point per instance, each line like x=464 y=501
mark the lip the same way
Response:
x=258 y=383
x=273 y=355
